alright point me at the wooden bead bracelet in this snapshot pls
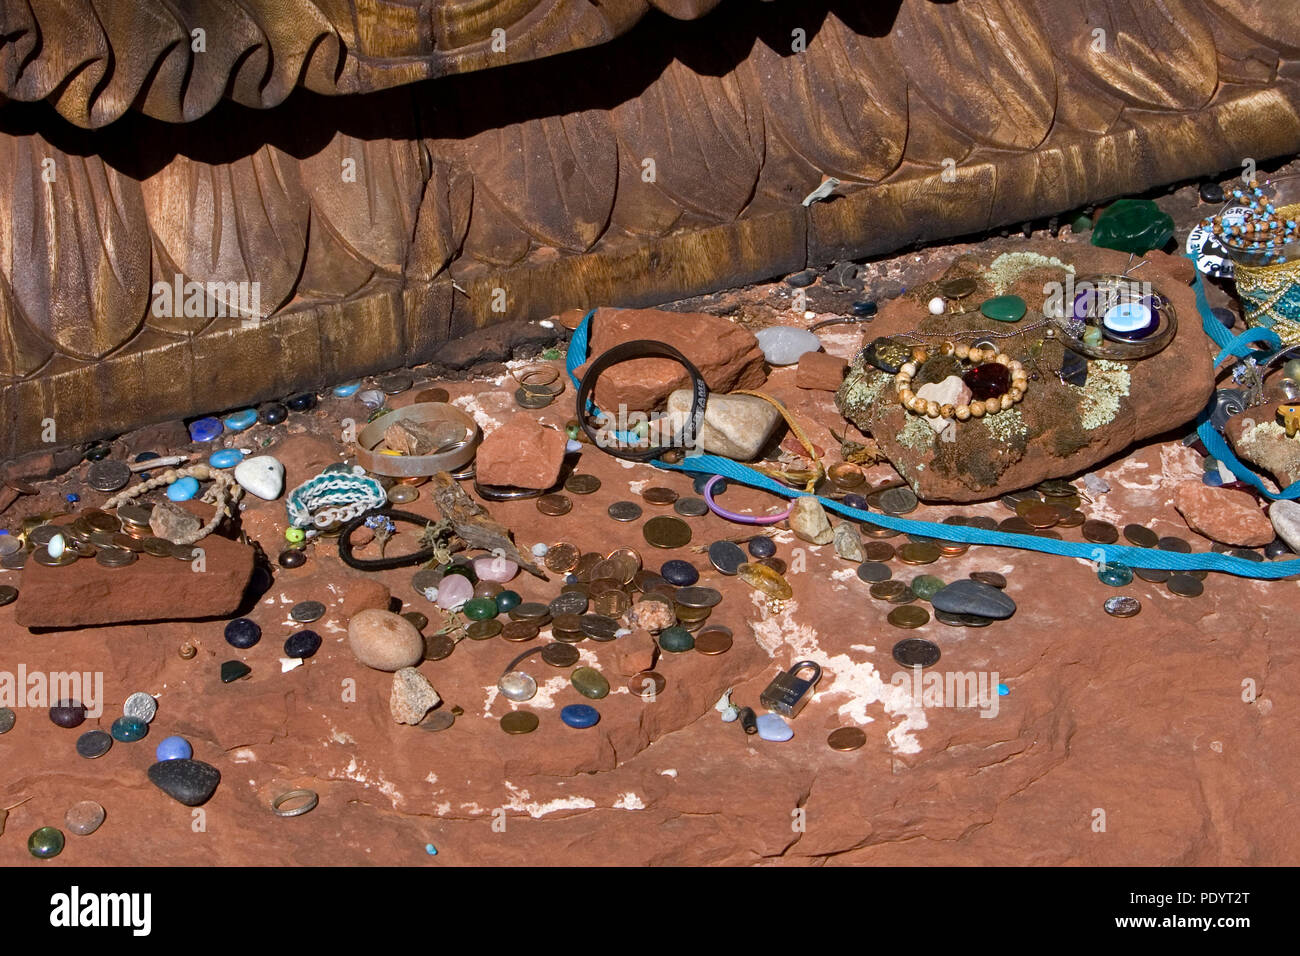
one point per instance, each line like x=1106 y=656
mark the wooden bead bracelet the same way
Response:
x=976 y=409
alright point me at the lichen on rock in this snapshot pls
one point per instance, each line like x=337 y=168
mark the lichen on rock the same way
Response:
x=1099 y=400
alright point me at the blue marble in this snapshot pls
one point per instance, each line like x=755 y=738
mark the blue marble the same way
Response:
x=1116 y=575
x=773 y=727
x=128 y=729
x=225 y=458
x=241 y=420
x=174 y=748
x=183 y=489
x=243 y=633
x=205 y=429
x=1213 y=479
x=762 y=547
x=679 y=573
x=580 y=715
x=346 y=391
x=303 y=644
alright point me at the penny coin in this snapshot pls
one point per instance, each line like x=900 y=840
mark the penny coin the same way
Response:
x=566 y=604
x=530 y=611
x=648 y=581
x=518 y=632
x=878 y=551
x=1041 y=516
x=418 y=620
x=896 y=501
x=562 y=558
x=1013 y=501
x=137 y=515
x=1184 y=585
x=846 y=739
x=437 y=721
x=183 y=552
x=157 y=547
x=402 y=494
x=436 y=395
x=438 y=646
x=1245 y=554
x=483 y=630
x=916 y=651
x=555 y=505
x=1140 y=536
x=624 y=511
x=582 y=570
x=1023 y=507
x=668 y=533
x=1100 y=532
x=569 y=621
x=582 y=484
x=909 y=616
x=98 y=520
x=94 y=743
x=613 y=604
x=598 y=627
x=991 y=578
x=627 y=561
x=873 y=572
x=8 y=594
x=713 y=642
x=519 y=722
x=1072 y=518
x=1174 y=544
x=108 y=475
x=304 y=612
x=560 y=655
x=534 y=400
x=887 y=590
x=659 y=495
x=691 y=507
x=983 y=522
x=696 y=596
x=115 y=557
x=953 y=548
x=918 y=553
x=647 y=684
x=1015 y=525
x=599 y=586
x=1122 y=606
x=727 y=556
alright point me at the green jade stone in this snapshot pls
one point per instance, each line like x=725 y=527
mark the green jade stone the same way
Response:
x=1116 y=575
x=926 y=586
x=481 y=609
x=590 y=683
x=231 y=671
x=1005 y=308
x=507 y=601
x=45 y=843
x=676 y=640
x=1133 y=225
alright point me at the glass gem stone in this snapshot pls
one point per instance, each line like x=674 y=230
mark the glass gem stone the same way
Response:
x=128 y=729
x=98 y=451
x=242 y=633
x=1092 y=337
x=507 y=601
x=225 y=458
x=480 y=609
x=926 y=586
x=272 y=413
x=680 y=573
x=56 y=546
x=702 y=480
x=1116 y=575
x=762 y=578
x=850 y=500
x=1213 y=479
x=240 y=420
x=465 y=569
x=1133 y=225
x=205 y=429
x=989 y=380
x=454 y=591
x=676 y=640
x=774 y=728
x=292 y=558
x=1003 y=690
x=1004 y=308
x=517 y=686
x=45 y=843
x=174 y=748
x=580 y=715
x=183 y=489
x=346 y=391
x=762 y=547
x=865 y=308
x=301 y=403
x=497 y=569
x=589 y=682
x=232 y=671
x=68 y=713
x=303 y=644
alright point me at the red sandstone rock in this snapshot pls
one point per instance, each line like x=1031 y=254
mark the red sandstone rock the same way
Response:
x=521 y=453
x=727 y=356
x=151 y=589
x=571 y=318
x=820 y=371
x=634 y=653
x=364 y=594
x=1224 y=515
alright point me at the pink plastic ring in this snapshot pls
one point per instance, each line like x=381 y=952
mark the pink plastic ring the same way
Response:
x=731 y=515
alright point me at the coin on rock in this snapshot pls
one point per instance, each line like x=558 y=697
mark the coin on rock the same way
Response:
x=519 y=722
x=887 y=590
x=919 y=553
x=562 y=558
x=878 y=551
x=691 y=507
x=108 y=475
x=909 y=616
x=696 y=596
x=304 y=612
x=991 y=578
x=666 y=532
x=916 y=651
x=115 y=557
x=1185 y=585
x=438 y=646
x=1174 y=544
x=624 y=511
x=1140 y=536
x=483 y=630
x=1122 y=606
x=8 y=594
x=560 y=655
x=582 y=484
x=437 y=721
x=555 y=505
x=713 y=642
x=566 y=604
x=517 y=632
x=846 y=739
x=873 y=572
x=659 y=496
x=896 y=501
x=647 y=684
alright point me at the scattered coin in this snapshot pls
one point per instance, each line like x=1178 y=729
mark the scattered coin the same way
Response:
x=846 y=739
x=14 y=561
x=713 y=642
x=1184 y=585
x=183 y=552
x=94 y=743
x=560 y=655
x=919 y=553
x=483 y=630
x=668 y=533
x=1015 y=525
x=1153 y=575
x=888 y=590
x=8 y=594
x=304 y=612
x=108 y=475
x=135 y=515
x=418 y=620
x=873 y=572
x=518 y=632
x=896 y=501
x=534 y=400
x=98 y=520
x=598 y=627
x=519 y=722
x=438 y=646
x=627 y=561
x=140 y=705
x=624 y=511
x=648 y=581
x=1056 y=488
x=42 y=556
x=1072 y=518
x=696 y=596
x=659 y=495
x=9 y=543
x=115 y=557
x=530 y=611
x=691 y=507
x=562 y=558
x=436 y=395
x=582 y=484
x=727 y=556
x=567 y=602
x=1041 y=516
x=647 y=684
x=437 y=721
x=991 y=578
x=983 y=522
x=157 y=547
x=1122 y=606
x=878 y=551
x=555 y=505
x=613 y=604
x=909 y=616
x=1174 y=544
x=395 y=383
x=1140 y=536
x=916 y=651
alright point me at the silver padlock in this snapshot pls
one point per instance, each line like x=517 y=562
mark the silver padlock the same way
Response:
x=787 y=693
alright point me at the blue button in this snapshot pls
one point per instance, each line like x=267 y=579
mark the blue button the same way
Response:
x=205 y=429
x=241 y=420
x=183 y=489
x=580 y=715
x=225 y=458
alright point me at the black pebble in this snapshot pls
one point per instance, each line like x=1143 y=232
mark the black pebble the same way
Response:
x=801 y=279
x=293 y=558
x=303 y=644
x=1225 y=316
x=1277 y=548
x=272 y=413
x=98 y=451
x=231 y=671
x=191 y=782
x=865 y=309
x=242 y=633
x=702 y=480
x=300 y=403
x=1212 y=193
x=762 y=547
x=68 y=713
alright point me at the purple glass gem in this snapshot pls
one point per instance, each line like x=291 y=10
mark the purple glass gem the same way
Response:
x=989 y=380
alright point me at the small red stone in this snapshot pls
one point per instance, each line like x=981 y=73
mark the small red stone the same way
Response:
x=990 y=380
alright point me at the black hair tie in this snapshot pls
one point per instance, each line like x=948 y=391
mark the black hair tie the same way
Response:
x=382 y=564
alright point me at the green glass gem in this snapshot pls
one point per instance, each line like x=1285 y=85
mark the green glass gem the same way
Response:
x=233 y=670
x=1081 y=224
x=45 y=843
x=466 y=570
x=507 y=601
x=1005 y=308
x=926 y=586
x=1116 y=575
x=573 y=431
x=129 y=729
x=676 y=640
x=481 y=608
x=550 y=355
x=1133 y=225
x=590 y=683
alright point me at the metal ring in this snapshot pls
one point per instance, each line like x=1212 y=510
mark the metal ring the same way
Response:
x=502 y=493
x=282 y=799
x=522 y=376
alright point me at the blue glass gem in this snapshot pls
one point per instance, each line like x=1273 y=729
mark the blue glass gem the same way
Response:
x=128 y=729
x=430 y=849
x=300 y=403
x=1003 y=690
x=303 y=644
x=346 y=391
x=241 y=420
x=71 y=498
x=225 y=458
x=174 y=748
x=1116 y=575
x=854 y=501
x=762 y=547
x=680 y=573
x=864 y=309
x=205 y=429
x=183 y=489
x=243 y=633
x=772 y=727
x=1213 y=479
x=580 y=715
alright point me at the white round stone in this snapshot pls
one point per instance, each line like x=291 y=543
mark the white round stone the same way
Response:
x=56 y=546
x=540 y=549
x=784 y=344
x=262 y=476
x=938 y=306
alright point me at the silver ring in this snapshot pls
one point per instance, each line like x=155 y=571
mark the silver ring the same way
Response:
x=282 y=799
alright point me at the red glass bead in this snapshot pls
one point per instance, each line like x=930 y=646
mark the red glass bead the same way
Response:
x=990 y=380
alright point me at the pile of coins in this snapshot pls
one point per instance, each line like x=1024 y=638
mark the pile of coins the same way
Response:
x=113 y=540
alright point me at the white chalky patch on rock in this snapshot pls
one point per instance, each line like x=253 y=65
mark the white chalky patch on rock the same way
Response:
x=519 y=801
x=841 y=675
x=432 y=778
x=341 y=736
x=243 y=755
x=636 y=487
x=670 y=772
x=470 y=405
x=356 y=774
x=629 y=801
x=844 y=574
